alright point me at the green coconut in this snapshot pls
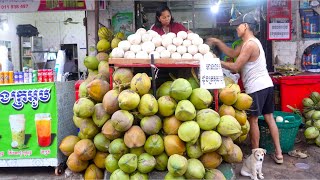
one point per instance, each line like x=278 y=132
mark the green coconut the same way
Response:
x=162 y=162
x=307 y=102
x=137 y=151
x=154 y=145
x=151 y=124
x=170 y=176
x=148 y=105
x=180 y=89
x=139 y=176
x=210 y=141
x=122 y=120
x=311 y=133
x=141 y=83
x=83 y=108
x=119 y=174
x=212 y=174
x=207 y=119
x=194 y=150
x=189 y=131
x=185 y=111
x=146 y=163
x=195 y=169
x=118 y=148
x=111 y=163
x=91 y=62
x=101 y=142
x=128 y=163
x=167 y=106
x=164 y=89
x=128 y=99
x=201 y=98
x=100 y=116
x=177 y=165
x=229 y=127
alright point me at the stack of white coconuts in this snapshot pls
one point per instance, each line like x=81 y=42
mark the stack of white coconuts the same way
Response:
x=143 y=43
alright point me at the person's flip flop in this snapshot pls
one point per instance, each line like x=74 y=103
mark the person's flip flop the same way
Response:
x=298 y=154
x=277 y=160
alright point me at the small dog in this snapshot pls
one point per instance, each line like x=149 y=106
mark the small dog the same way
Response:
x=252 y=166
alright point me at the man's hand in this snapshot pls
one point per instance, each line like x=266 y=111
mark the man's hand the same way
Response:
x=212 y=41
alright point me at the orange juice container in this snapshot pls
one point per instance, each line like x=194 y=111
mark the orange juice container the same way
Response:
x=11 y=79
x=1 y=77
x=6 y=77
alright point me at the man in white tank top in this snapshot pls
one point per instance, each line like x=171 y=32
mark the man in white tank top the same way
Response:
x=251 y=63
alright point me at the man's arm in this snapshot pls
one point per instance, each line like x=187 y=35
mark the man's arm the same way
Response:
x=244 y=57
x=224 y=48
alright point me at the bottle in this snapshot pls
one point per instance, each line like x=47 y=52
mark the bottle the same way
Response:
x=307 y=26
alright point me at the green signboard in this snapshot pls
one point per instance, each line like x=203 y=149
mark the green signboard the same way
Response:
x=28 y=121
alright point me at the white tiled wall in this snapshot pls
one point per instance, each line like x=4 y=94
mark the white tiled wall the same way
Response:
x=53 y=30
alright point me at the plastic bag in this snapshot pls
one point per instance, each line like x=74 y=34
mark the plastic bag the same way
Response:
x=234 y=77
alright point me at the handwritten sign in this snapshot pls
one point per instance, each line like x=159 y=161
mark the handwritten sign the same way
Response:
x=211 y=75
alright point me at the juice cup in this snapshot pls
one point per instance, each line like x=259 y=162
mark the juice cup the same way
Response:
x=17 y=126
x=43 y=126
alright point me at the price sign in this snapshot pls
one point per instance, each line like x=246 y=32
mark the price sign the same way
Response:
x=279 y=19
x=211 y=75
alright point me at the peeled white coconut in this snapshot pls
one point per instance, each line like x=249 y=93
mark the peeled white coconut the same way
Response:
x=197 y=41
x=171 y=35
x=160 y=49
x=181 y=49
x=146 y=37
x=191 y=36
x=148 y=46
x=163 y=36
x=157 y=41
x=279 y=119
x=203 y=48
x=176 y=55
x=152 y=33
x=135 y=48
x=141 y=31
x=125 y=45
x=172 y=48
x=198 y=56
x=182 y=34
x=117 y=53
x=186 y=56
x=177 y=41
x=193 y=49
x=208 y=56
x=129 y=55
x=186 y=43
x=142 y=55
x=156 y=55
x=165 y=54
x=134 y=39
x=166 y=42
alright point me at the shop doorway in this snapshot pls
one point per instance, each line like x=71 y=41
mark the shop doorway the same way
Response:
x=71 y=64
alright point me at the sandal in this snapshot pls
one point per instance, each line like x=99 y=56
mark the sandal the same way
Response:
x=277 y=160
x=298 y=154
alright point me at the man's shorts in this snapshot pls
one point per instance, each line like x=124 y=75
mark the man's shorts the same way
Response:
x=262 y=102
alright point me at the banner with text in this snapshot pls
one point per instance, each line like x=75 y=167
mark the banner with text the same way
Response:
x=279 y=20
x=28 y=121
x=40 y=5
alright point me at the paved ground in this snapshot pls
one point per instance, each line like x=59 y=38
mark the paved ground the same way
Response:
x=270 y=169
